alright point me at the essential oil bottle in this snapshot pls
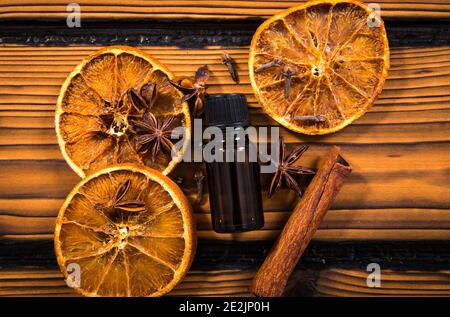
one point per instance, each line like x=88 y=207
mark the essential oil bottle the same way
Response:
x=234 y=184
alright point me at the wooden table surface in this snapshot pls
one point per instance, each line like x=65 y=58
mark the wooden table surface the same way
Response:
x=394 y=209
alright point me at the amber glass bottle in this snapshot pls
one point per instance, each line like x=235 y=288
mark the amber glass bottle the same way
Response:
x=234 y=184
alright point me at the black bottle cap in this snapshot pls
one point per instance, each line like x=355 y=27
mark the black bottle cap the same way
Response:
x=226 y=110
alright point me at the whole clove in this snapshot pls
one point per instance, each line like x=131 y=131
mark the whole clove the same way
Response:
x=287 y=75
x=272 y=63
x=199 y=177
x=310 y=118
x=229 y=63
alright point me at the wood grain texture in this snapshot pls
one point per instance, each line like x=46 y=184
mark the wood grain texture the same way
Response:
x=399 y=150
x=198 y=9
x=50 y=282
x=353 y=282
x=327 y=282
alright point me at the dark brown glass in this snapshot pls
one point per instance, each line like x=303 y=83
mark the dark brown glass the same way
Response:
x=235 y=194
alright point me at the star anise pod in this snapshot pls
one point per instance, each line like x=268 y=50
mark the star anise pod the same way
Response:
x=117 y=202
x=153 y=134
x=143 y=100
x=196 y=89
x=287 y=172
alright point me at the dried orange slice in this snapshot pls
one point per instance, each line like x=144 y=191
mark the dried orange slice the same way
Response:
x=126 y=231
x=94 y=112
x=317 y=67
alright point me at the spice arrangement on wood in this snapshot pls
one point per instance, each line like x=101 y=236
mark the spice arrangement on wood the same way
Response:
x=128 y=119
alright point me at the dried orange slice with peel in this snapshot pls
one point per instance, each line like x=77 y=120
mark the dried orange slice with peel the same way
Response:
x=130 y=231
x=317 y=67
x=94 y=110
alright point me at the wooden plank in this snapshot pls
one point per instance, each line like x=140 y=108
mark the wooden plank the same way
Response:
x=198 y=9
x=389 y=157
x=420 y=85
x=354 y=134
x=344 y=282
x=45 y=119
x=353 y=282
x=366 y=219
x=49 y=282
x=14 y=211
x=235 y=282
x=384 y=186
x=327 y=235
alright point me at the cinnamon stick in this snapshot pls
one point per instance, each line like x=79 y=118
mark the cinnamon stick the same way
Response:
x=271 y=278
